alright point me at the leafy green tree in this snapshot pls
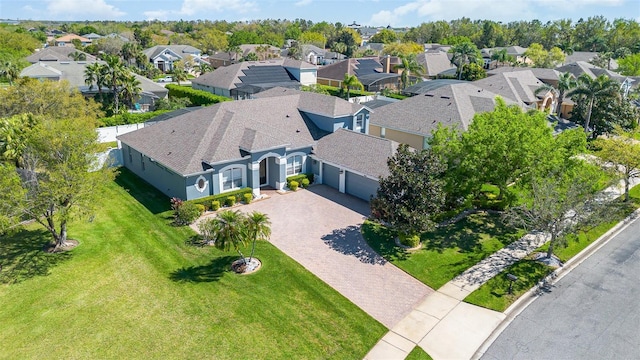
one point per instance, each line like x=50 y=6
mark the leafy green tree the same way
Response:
x=212 y=40
x=542 y=58
x=259 y=228
x=557 y=202
x=14 y=131
x=251 y=57
x=623 y=151
x=244 y=37
x=501 y=57
x=409 y=66
x=589 y=90
x=404 y=49
x=384 y=36
x=56 y=184
x=463 y=53
x=473 y=72
x=349 y=82
x=179 y=72
x=10 y=71
x=629 y=65
x=78 y=56
x=313 y=38
x=412 y=194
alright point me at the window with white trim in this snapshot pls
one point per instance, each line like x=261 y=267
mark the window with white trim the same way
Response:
x=359 y=122
x=232 y=179
x=201 y=183
x=294 y=165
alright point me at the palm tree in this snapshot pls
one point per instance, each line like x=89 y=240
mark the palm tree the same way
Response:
x=114 y=73
x=259 y=228
x=129 y=52
x=591 y=89
x=179 y=73
x=93 y=74
x=339 y=47
x=204 y=67
x=233 y=49
x=566 y=82
x=409 y=64
x=130 y=89
x=10 y=71
x=78 y=56
x=462 y=53
x=501 y=57
x=231 y=231
x=351 y=81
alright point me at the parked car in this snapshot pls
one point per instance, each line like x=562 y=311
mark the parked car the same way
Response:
x=166 y=79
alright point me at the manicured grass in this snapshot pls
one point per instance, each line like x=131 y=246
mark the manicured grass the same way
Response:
x=494 y=293
x=446 y=252
x=134 y=288
x=418 y=354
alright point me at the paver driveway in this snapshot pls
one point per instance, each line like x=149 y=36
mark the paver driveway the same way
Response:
x=320 y=228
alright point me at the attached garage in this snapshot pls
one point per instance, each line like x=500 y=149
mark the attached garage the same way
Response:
x=331 y=176
x=360 y=186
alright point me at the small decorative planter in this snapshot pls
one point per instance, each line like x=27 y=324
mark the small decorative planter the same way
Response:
x=239 y=267
x=401 y=245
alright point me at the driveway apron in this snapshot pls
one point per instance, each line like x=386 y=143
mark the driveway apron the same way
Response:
x=320 y=229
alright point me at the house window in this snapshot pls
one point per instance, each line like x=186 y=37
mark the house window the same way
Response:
x=232 y=179
x=294 y=165
x=130 y=157
x=142 y=161
x=359 y=122
x=201 y=183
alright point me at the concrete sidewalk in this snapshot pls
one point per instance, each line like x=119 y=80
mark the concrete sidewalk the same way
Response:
x=447 y=328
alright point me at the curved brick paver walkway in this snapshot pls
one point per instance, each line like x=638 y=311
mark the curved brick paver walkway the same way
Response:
x=320 y=229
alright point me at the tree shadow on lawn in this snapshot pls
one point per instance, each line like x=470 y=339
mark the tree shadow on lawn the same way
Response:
x=155 y=201
x=23 y=255
x=204 y=273
x=349 y=241
x=467 y=234
x=382 y=240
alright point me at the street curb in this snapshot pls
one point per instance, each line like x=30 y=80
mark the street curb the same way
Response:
x=527 y=298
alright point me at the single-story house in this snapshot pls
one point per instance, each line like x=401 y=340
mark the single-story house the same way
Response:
x=245 y=79
x=66 y=40
x=163 y=56
x=74 y=73
x=256 y=143
x=56 y=53
x=412 y=120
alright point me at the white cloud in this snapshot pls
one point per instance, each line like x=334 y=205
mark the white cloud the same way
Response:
x=302 y=3
x=81 y=9
x=193 y=7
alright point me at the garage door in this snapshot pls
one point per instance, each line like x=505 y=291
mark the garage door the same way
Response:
x=331 y=176
x=360 y=186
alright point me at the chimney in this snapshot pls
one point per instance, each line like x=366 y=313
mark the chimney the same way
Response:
x=387 y=64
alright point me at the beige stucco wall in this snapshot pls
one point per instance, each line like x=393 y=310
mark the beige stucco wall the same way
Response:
x=374 y=130
x=415 y=141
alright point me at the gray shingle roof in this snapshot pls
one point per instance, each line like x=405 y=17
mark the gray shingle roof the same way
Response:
x=546 y=75
x=362 y=153
x=220 y=133
x=449 y=105
x=352 y=66
x=181 y=50
x=516 y=86
x=56 y=53
x=315 y=103
x=434 y=62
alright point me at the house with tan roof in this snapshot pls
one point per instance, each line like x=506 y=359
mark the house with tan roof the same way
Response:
x=258 y=143
x=412 y=120
x=244 y=79
x=435 y=63
x=66 y=40
x=57 y=53
x=520 y=87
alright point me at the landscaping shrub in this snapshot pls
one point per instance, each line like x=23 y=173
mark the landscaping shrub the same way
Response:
x=247 y=198
x=293 y=185
x=197 y=97
x=186 y=213
x=129 y=118
x=304 y=183
x=299 y=179
x=215 y=205
x=201 y=208
x=339 y=92
x=409 y=240
x=230 y=201
x=221 y=198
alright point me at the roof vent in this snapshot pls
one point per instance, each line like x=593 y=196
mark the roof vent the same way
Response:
x=445 y=97
x=287 y=115
x=297 y=130
x=429 y=95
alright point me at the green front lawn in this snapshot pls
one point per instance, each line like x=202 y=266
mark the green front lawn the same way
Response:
x=418 y=354
x=446 y=252
x=135 y=288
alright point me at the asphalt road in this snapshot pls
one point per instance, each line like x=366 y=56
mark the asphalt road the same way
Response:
x=592 y=313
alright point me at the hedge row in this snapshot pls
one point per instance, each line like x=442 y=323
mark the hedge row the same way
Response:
x=197 y=97
x=129 y=118
x=300 y=179
x=238 y=195
x=339 y=92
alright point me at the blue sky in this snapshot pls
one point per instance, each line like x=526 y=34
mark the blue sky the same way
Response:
x=364 y=12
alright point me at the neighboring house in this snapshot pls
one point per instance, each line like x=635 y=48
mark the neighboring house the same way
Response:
x=313 y=54
x=517 y=52
x=118 y=36
x=73 y=72
x=270 y=53
x=373 y=72
x=367 y=33
x=220 y=59
x=55 y=53
x=163 y=56
x=520 y=87
x=92 y=36
x=430 y=85
x=581 y=67
x=254 y=143
x=412 y=120
x=244 y=79
x=66 y=40
x=586 y=56
x=435 y=63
